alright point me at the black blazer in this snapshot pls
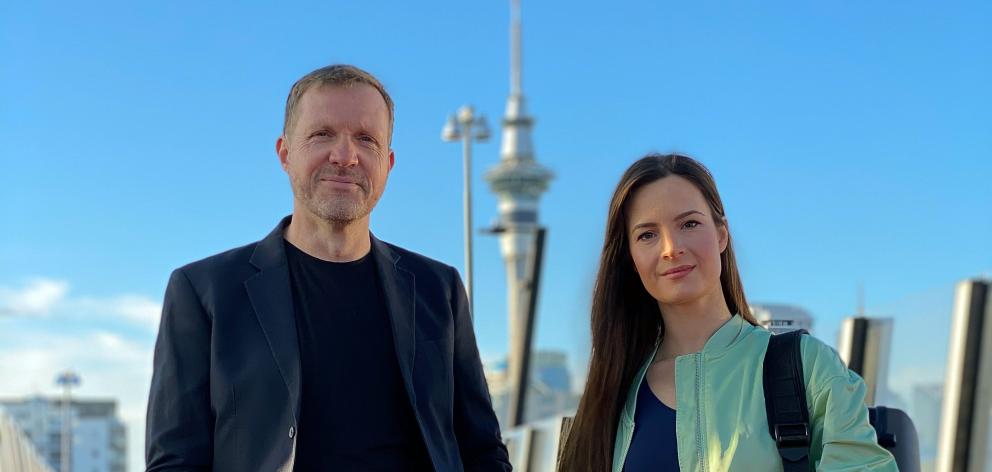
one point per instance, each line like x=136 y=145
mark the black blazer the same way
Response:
x=225 y=392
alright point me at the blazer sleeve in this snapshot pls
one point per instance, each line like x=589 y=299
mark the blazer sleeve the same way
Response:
x=476 y=427
x=839 y=415
x=179 y=428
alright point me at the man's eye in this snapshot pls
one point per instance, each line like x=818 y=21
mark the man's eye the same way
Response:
x=366 y=138
x=320 y=134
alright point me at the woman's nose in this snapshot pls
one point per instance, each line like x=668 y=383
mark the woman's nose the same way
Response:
x=671 y=247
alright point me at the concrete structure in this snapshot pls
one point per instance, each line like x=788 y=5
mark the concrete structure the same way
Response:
x=965 y=438
x=534 y=447
x=17 y=453
x=865 y=345
x=519 y=181
x=781 y=318
x=99 y=441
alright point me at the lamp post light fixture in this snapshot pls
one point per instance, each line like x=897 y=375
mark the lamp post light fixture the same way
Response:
x=67 y=380
x=467 y=127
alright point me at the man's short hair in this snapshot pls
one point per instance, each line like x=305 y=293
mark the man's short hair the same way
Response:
x=339 y=75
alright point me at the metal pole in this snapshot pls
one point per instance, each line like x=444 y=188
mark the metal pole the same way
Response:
x=67 y=380
x=518 y=403
x=66 y=428
x=467 y=165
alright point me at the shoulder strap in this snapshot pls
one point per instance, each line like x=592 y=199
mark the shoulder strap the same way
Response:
x=785 y=400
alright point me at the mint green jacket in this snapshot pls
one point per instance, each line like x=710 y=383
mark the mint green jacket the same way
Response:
x=720 y=417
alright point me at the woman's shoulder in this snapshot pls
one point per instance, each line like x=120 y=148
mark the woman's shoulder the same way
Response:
x=821 y=363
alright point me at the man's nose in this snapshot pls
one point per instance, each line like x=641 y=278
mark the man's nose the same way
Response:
x=343 y=153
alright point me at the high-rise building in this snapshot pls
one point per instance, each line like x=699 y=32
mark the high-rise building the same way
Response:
x=518 y=180
x=99 y=440
x=781 y=318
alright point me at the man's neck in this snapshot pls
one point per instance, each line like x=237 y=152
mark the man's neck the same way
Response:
x=689 y=326
x=329 y=240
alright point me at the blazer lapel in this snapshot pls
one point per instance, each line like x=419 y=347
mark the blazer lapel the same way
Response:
x=399 y=288
x=272 y=299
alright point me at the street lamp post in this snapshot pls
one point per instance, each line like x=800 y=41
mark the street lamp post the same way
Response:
x=66 y=380
x=467 y=127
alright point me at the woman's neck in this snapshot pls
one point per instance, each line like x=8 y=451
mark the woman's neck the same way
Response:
x=689 y=326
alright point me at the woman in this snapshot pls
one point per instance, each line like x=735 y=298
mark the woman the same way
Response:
x=675 y=376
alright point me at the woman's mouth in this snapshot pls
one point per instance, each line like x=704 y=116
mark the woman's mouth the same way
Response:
x=678 y=272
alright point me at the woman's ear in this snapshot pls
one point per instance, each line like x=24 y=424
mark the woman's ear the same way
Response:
x=724 y=236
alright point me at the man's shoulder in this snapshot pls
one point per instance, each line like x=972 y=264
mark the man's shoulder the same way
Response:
x=418 y=263
x=221 y=264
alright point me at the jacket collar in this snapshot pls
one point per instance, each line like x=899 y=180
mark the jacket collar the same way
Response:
x=399 y=290
x=728 y=335
x=733 y=331
x=272 y=299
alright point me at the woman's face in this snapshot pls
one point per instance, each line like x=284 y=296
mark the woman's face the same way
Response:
x=674 y=241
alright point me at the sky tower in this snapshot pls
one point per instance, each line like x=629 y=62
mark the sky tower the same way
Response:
x=519 y=181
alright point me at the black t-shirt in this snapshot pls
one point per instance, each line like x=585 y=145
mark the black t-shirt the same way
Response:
x=355 y=412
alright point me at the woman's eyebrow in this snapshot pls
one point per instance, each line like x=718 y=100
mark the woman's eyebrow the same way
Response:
x=642 y=225
x=677 y=217
x=687 y=213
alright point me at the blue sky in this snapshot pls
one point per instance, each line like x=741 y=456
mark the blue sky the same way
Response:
x=851 y=143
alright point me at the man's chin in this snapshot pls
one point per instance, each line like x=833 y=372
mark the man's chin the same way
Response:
x=338 y=214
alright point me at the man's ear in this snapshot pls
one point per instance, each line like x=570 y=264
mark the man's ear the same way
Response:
x=282 y=150
x=392 y=160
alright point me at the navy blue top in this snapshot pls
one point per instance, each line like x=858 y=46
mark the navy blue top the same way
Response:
x=653 y=447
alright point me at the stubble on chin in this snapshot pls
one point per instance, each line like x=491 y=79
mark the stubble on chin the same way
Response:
x=337 y=209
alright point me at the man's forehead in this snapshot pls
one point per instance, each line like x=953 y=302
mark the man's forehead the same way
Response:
x=324 y=94
x=357 y=100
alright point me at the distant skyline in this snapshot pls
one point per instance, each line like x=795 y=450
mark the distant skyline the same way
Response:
x=851 y=145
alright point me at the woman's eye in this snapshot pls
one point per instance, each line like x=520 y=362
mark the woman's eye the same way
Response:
x=690 y=224
x=645 y=236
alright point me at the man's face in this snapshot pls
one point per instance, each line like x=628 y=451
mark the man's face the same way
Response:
x=337 y=153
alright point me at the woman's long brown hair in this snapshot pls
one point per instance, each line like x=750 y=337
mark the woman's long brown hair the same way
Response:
x=626 y=320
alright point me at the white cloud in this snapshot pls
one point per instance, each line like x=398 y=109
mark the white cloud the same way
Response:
x=50 y=297
x=135 y=309
x=38 y=297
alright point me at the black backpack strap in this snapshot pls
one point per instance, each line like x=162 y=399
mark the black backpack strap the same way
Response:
x=785 y=400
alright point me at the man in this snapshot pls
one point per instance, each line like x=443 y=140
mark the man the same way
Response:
x=321 y=347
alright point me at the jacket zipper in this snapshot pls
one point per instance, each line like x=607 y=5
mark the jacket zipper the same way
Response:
x=699 y=412
x=627 y=440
